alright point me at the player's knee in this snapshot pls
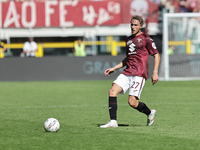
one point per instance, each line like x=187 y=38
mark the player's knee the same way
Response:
x=133 y=104
x=112 y=93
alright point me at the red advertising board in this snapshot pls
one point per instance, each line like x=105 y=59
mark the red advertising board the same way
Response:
x=71 y=13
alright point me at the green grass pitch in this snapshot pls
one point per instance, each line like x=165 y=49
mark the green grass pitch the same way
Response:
x=81 y=106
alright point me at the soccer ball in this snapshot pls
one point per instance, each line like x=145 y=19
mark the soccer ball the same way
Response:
x=51 y=125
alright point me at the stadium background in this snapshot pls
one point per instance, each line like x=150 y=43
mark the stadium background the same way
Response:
x=81 y=106
x=55 y=25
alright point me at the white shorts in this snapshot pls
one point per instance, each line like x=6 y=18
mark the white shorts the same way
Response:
x=135 y=84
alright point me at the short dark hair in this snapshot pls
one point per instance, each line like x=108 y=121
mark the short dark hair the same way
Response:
x=139 y=18
x=29 y=38
x=80 y=38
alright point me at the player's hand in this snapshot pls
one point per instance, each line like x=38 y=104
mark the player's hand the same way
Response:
x=108 y=71
x=154 y=78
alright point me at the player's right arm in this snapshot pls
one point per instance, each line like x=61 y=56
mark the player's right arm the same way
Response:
x=113 y=69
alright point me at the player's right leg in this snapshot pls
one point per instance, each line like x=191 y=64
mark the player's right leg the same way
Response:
x=113 y=93
x=120 y=85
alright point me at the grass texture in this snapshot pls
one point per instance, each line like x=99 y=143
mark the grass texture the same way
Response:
x=82 y=106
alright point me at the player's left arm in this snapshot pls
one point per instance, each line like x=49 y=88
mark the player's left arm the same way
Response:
x=156 y=66
x=150 y=45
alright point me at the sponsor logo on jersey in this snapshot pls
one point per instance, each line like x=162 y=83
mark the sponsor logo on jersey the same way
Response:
x=132 y=49
x=139 y=40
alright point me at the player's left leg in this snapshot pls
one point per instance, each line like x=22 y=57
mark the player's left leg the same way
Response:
x=136 y=86
x=141 y=107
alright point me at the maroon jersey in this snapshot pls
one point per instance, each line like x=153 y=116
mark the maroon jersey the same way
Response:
x=138 y=50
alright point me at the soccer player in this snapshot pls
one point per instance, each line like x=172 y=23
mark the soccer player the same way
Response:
x=139 y=46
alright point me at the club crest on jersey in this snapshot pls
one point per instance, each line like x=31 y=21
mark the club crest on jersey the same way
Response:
x=139 y=40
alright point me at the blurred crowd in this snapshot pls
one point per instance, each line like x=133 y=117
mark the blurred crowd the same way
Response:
x=45 y=0
x=171 y=6
x=180 y=6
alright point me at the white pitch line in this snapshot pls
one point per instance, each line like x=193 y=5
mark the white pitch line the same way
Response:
x=27 y=107
x=35 y=107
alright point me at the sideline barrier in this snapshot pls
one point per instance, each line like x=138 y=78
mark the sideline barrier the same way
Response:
x=41 y=46
x=114 y=45
x=61 y=68
x=187 y=44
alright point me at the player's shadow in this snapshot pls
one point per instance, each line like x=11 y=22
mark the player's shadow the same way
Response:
x=123 y=125
x=120 y=125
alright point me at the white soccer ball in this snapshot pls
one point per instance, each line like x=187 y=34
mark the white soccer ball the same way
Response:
x=52 y=125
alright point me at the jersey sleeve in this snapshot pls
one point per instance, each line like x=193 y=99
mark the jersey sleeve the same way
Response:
x=151 y=46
